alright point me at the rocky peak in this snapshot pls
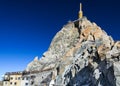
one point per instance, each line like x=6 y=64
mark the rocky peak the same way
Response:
x=36 y=58
x=81 y=54
x=90 y=58
x=34 y=65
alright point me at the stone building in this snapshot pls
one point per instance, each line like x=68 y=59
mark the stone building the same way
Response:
x=12 y=79
x=17 y=79
x=27 y=78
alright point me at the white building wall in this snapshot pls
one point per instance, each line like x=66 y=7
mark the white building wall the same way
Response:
x=25 y=81
x=6 y=83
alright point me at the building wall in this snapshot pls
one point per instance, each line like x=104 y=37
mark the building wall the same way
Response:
x=12 y=79
x=15 y=80
x=25 y=81
x=6 y=83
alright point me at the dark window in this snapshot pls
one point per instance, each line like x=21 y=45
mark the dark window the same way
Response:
x=18 y=78
x=27 y=78
x=11 y=78
x=32 y=77
x=15 y=83
x=26 y=83
x=32 y=82
x=23 y=78
x=11 y=83
x=58 y=70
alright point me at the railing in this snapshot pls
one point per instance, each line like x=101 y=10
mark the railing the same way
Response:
x=6 y=79
x=37 y=71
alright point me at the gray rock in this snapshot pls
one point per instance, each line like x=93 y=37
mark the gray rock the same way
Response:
x=79 y=56
x=117 y=72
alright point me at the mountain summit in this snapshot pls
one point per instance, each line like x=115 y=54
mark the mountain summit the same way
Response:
x=80 y=54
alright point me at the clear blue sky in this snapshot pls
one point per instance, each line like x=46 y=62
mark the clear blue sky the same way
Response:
x=28 y=26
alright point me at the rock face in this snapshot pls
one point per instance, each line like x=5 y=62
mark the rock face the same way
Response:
x=81 y=54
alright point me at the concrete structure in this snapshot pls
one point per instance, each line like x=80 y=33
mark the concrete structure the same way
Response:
x=80 y=12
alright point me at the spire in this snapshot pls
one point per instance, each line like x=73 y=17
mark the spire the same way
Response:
x=80 y=12
x=80 y=7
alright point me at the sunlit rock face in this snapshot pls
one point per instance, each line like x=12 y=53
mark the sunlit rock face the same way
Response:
x=80 y=54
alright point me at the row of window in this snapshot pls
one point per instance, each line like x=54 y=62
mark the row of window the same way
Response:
x=14 y=83
x=11 y=78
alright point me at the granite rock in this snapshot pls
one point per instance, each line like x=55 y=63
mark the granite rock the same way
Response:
x=80 y=54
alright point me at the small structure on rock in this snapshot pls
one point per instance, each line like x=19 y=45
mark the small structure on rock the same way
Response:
x=80 y=12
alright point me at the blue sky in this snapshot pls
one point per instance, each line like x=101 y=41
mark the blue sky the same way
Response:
x=28 y=26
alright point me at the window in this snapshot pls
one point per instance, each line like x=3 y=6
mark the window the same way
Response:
x=32 y=82
x=27 y=78
x=11 y=78
x=58 y=70
x=26 y=83
x=32 y=77
x=10 y=83
x=18 y=78
x=15 y=83
x=23 y=78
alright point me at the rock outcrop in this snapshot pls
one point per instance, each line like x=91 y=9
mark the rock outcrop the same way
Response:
x=80 y=54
